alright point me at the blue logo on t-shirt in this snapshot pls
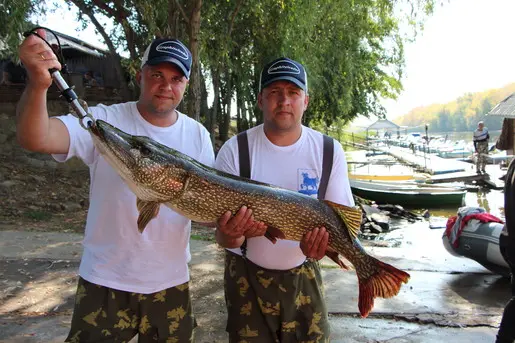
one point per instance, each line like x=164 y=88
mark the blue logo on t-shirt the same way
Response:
x=308 y=181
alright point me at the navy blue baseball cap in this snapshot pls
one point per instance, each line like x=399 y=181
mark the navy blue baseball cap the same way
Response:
x=168 y=50
x=284 y=69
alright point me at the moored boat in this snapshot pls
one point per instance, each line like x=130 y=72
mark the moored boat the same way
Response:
x=410 y=194
x=382 y=177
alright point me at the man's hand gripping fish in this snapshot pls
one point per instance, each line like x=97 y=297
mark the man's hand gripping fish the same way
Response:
x=161 y=175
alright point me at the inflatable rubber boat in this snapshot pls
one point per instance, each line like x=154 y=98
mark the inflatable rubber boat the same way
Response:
x=476 y=236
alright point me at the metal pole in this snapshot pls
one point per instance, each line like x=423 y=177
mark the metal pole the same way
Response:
x=426 y=147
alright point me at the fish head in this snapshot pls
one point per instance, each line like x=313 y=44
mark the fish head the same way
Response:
x=152 y=171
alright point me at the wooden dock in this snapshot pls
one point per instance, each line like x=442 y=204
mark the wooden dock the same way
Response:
x=444 y=170
x=457 y=177
x=427 y=163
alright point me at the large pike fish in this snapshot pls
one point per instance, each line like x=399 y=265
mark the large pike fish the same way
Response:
x=159 y=175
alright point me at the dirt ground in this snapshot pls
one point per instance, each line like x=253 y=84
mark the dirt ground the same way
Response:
x=39 y=195
x=35 y=291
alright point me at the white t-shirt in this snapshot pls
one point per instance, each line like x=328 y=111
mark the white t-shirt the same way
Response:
x=297 y=167
x=115 y=254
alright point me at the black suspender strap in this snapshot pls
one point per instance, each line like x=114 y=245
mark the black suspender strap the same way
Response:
x=243 y=152
x=327 y=166
x=244 y=159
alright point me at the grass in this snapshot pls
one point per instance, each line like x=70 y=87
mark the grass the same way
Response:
x=37 y=215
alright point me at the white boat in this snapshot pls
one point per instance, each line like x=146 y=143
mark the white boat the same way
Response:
x=411 y=194
x=458 y=149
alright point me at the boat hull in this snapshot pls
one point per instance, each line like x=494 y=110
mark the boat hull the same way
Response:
x=408 y=195
x=381 y=177
x=481 y=244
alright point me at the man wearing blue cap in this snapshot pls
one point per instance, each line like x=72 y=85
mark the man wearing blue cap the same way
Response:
x=274 y=291
x=130 y=283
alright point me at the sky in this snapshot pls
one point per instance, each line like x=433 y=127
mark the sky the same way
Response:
x=64 y=21
x=466 y=46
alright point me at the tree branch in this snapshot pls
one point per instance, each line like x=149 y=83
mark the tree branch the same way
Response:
x=184 y=15
x=101 y=4
x=233 y=16
x=112 y=49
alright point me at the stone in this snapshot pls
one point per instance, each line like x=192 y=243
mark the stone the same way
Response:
x=55 y=207
x=33 y=208
x=369 y=209
x=374 y=228
x=51 y=164
x=31 y=196
x=37 y=178
x=8 y=184
x=380 y=219
x=71 y=207
x=35 y=162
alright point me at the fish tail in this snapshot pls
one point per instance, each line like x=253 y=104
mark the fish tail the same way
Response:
x=385 y=282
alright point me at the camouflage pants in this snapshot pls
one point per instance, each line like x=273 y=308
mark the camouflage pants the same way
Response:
x=274 y=305
x=104 y=314
x=482 y=154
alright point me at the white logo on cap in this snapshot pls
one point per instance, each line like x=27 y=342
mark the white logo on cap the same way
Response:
x=284 y=67
x=173 y=48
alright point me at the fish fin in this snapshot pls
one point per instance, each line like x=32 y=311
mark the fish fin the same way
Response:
x=351 y=216
x=333 y=255
x=385 y=283
x=270 y=237
x=148 y=210
x=272 y=233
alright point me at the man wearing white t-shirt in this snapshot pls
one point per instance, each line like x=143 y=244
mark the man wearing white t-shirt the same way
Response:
x=130 y=283
x=273 y=291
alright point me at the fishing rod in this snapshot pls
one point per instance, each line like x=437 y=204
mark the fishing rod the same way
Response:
x=66 y=91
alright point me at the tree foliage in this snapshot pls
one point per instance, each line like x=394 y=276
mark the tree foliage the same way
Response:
x=462 y=114
x=352 y=50
x=14 y=16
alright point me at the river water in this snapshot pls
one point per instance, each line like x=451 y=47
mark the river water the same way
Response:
x=491 y=200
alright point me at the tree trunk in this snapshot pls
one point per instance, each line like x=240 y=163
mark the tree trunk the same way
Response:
x=126 y=93
x=194 y=94
x=239 y=107
x=215 y=74
x=244 y=115
x=239 y=122
x=226 y=119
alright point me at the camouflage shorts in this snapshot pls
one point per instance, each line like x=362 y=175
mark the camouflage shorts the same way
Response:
x=274 y=305
x=103 y=314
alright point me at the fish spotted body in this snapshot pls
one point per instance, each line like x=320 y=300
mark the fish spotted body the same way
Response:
x=159 y=175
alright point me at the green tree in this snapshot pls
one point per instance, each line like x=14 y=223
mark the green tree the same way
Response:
x=352 y=50
x=14 y=16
